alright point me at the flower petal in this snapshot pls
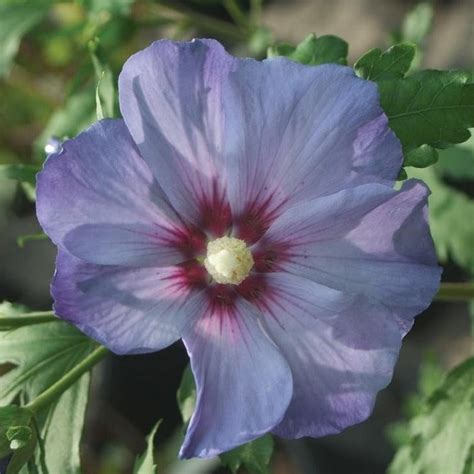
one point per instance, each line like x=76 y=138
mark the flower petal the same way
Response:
x=369 y=240
x=170 y=98
x=128 y=310
x=243 y=383
x=98 y=199
x=296 y=132
x=340 y=354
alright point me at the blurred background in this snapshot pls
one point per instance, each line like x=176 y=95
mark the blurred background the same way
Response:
x=51 y=54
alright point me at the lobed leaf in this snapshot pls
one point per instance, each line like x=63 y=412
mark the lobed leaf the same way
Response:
x=449 y=209
x=313 y=50
x=441 y=439
x=394 y=63
x=433 y=108
x=40 y=355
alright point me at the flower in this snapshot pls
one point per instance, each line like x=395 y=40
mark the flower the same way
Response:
x=248 y=208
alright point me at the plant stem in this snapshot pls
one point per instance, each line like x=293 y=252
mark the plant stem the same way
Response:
x=58 y=388
x=11 y=322
x=455 y=292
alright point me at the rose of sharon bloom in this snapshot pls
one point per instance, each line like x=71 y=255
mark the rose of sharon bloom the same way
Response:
x=248 y=208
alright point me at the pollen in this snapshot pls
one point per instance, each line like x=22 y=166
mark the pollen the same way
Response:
x=228 y=260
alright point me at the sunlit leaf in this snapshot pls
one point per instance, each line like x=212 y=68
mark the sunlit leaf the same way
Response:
x=186 y=395
x=441 y=438
x=105 y=90
x=145 y=464
x=451 y=227
x=41 y=354
x=417 y=24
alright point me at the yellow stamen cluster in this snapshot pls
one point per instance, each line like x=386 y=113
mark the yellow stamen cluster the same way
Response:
x=228 y=260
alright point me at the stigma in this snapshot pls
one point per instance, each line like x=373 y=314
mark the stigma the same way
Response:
x=228 y=260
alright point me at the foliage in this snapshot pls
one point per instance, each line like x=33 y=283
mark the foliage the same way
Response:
x=254 y=456
x=430 y=107
x=441 y=438
x=394 y=63
x=313 y=50
x=457 y=163
x=39 y=356
x=448 y=210
x=145 y=464
x=16 y=19
x=65 y=78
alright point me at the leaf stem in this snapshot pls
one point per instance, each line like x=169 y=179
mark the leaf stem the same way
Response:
x=58 y=388
x=11 y=322
x=23 y=239
x=455 y=292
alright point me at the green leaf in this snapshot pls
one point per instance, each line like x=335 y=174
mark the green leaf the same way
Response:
x=448 y=209
x=430 y=378
x=281 y=49
x=457 y=162
x=145 y=464
x=441 y=439
x=16 y=436
x=417 y=23
x=402 y=175
x=186 y=395
x=19 y=172
x=376 y=65
x=16 y=19
x=12 y=418
x=105 y=90
x=114 y=7
x=430 y=107
x=19 y=436
x=255 y=456
x=41 y=354
x=421 y=157
x=313 y=50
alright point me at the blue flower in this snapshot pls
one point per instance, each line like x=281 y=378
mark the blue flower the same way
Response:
x=248 y=208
